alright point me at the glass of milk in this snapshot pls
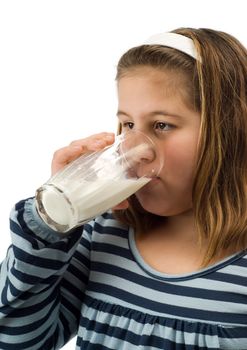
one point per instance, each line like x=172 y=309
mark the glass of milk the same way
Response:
x=97 y=181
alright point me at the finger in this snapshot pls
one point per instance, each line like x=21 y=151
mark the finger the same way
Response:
x=95 y=142
x=122 y=205
x=76 y=148
x=64 y=156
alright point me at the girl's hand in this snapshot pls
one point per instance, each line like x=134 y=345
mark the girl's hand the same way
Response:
x=122 y=205
x=96 y=142
x=67 y=154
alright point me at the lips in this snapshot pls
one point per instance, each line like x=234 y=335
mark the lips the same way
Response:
x=153 y=181
x=152 y=176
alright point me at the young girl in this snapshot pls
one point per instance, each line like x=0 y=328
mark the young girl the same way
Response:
x=167 y=268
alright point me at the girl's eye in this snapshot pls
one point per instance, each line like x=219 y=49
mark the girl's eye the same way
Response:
x=162 y=126
x=158 y=126
x=128 y=125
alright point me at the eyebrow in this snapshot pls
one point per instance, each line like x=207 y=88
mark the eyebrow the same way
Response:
x=151 y=114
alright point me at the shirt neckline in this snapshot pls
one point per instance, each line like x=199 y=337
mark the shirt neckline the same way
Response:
x=177 y=277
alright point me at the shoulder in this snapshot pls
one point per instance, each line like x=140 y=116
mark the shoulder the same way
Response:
x=104 y=226
x=107 y=224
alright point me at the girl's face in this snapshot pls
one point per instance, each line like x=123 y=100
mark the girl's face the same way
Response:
x=153 y=101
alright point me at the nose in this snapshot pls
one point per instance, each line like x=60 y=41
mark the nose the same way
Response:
x=143 y=162
x=141 y=155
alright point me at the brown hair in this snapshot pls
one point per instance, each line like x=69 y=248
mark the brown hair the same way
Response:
x=217 y=88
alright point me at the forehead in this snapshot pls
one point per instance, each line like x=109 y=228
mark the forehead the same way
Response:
x=155 y=83
x=155 y=74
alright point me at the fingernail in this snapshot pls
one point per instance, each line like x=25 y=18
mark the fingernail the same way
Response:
x=99 y=143
x=109 y=137
x=77 y=148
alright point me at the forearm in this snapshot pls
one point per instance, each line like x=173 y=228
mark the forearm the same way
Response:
x=33 y=285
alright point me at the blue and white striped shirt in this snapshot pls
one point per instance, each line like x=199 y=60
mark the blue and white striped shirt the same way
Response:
x=95 y=284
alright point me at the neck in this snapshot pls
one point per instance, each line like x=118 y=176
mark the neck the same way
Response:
x=182 y=226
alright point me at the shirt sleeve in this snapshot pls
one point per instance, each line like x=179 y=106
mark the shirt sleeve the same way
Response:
x=42 y=282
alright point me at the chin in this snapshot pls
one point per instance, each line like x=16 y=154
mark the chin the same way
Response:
x=158 y=206
x=151 y=205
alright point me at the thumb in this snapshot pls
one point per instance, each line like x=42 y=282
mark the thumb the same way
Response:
x=122 y=205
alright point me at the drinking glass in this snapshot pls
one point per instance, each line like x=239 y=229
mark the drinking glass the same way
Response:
x=97 y=181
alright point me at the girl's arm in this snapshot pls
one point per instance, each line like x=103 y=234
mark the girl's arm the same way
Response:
x=43 y=278
x=42 y=282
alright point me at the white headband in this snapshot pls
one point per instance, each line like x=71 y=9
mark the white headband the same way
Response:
x=175 y=41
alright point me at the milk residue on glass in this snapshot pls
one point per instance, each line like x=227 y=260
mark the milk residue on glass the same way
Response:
x=95 y=198
x=94 y=183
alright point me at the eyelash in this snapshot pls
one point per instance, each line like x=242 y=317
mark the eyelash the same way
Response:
x=167 y=125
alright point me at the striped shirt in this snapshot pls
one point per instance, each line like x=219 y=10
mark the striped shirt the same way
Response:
x=95 y=284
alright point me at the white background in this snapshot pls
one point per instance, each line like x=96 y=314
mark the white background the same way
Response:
x=57 y=70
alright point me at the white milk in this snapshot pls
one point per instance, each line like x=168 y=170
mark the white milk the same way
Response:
x=81 y=201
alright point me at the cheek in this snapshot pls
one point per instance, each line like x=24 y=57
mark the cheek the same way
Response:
x=180 y=159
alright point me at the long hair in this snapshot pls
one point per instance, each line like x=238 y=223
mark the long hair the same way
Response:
x=217 y=88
